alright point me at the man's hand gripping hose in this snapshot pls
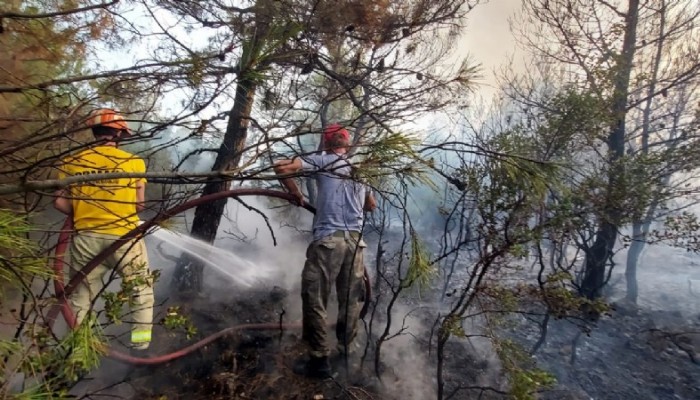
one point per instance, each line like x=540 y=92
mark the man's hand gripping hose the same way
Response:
x=64 y=291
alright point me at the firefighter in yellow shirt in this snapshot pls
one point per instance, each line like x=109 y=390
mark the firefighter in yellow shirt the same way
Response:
x=103 y=210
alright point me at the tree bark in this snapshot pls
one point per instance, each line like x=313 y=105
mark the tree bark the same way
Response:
x=597 y=259
x=635 y=250
x=440 y=373
x=640 y=229
x=189 y=273
x=601 y=251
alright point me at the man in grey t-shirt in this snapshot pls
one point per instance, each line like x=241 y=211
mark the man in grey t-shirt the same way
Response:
x=336 y=253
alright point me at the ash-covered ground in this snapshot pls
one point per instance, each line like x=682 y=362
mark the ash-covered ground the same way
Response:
x=632 y=354
x=646 y=352
x=651 y=351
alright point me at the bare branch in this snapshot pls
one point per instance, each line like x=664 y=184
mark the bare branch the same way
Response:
x=16 y=15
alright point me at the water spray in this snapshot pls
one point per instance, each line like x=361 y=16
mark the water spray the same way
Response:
x=64 y=291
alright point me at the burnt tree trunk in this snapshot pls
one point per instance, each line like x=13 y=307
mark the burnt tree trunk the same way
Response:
x=597 y=257
x=639 y=235
x=189 y=272
x=640 y=229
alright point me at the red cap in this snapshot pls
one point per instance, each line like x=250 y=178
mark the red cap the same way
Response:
x=335 y=129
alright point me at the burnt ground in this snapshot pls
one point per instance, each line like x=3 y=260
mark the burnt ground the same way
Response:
x=257 y=364
x=650 y=352
x=633 y=354
x=249 y=364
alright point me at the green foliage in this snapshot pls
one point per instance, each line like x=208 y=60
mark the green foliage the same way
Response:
x=264 y=47
x=467 y=74
x=54 y=364
x=509 y=173
x=81 y=349
x=524 y=378
x=572 y=119
x=509 y=187
x=526 y=382
x=555 y=291
x=518 y=168
x=13 y=231
x=680 y=230
x=393 y=155
x=174 y=319
x=18 y=254
x=420 y=270
x=639 y=184
x=59 y=364
x=452 y=326
x=41 y=393
x=277 y=36
x=115 y=301
x=502 y=297
x=563 y=302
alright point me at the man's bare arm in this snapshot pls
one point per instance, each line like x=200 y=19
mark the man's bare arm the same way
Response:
x=62 y=203
x=370 y=202
x=286 y=167
x=140 y=196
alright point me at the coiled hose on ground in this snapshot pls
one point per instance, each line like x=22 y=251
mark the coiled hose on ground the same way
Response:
x=64 y=291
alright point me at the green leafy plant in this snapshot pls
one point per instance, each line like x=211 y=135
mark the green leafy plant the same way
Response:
x=524 y=378
x=174 y=319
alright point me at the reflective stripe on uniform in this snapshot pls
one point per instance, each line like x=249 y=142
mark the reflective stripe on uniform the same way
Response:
x=143 y=336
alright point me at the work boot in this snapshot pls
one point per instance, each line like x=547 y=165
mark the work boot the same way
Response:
x=140 y=372
x=140 y=350
x=314 y=367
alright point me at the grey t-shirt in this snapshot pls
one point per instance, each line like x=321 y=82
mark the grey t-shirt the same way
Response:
x=339 y=200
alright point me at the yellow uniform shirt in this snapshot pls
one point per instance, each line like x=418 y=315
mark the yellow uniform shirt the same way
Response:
x=106 y=205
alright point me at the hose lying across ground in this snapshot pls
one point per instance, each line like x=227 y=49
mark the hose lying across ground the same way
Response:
x=64 y=291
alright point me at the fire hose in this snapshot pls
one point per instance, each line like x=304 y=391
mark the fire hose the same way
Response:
x=64 y=291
